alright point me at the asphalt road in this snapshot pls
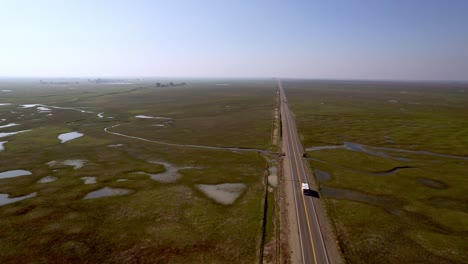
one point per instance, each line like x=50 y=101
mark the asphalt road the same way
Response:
x=311 y=242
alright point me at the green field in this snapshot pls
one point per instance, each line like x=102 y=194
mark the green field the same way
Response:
x=156 y=222
x=411 y=215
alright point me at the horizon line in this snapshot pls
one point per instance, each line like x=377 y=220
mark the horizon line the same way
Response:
x=241 y=78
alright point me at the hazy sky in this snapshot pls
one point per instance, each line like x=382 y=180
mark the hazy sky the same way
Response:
x=361 y=39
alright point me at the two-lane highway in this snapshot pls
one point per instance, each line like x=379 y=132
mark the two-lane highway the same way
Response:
x=311 y=240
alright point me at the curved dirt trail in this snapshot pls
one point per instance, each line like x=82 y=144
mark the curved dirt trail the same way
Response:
x=185 y=145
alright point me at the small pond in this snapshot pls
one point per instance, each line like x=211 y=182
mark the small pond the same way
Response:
x=225 y=193
x=106 y=192
x=2 y=147
x=69 y=136
x=14 y=173
x=151 y=117
x=9 y=125
x=5 y=198
x=89 y=180
x=47 y=179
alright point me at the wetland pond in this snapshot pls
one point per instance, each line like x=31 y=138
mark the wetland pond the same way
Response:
x=106 y=192
x=69 y=136
x=170 y=175
x=14 y=173
x=151 y=117
x=42 y=109
x=273 y=176
x=2 y=147
x=4 y=198
x=7 y=134
x=225 y=193
x=89 y=180
x=75 y=163
x=9 y=125
x=47 y=179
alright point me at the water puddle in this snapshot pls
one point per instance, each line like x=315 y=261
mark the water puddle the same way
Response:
x=273 y=180
x=43 y=109
x=122 y=180
x=150 y=117
x=75 y=163
x=47 y=179
x=14 y=173
x=115 y=145
x=273 y=176
x=7 y=134
x=322 y=176
x=29 y=105
x=4 y=198
x=9 y=125
x=273 y=170
x=100 y=115
x=2 y=104
x=2 y=147
x=106 y=192
x=47 y=108
x=69 y=108
x=169 y=176
x=225 y=193
x=158 y=125
x=69 y=136
x=434 y=184
x=89 y=180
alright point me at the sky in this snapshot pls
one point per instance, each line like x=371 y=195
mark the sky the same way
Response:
x=347 y=39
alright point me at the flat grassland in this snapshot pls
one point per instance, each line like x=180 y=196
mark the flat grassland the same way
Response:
x=392 y=164
x=162 y=218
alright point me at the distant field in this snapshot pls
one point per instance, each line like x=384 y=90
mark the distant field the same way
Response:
x=163 y=214
x=397 y=191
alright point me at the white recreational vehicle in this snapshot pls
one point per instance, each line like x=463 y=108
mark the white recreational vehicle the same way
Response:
x=305 y=188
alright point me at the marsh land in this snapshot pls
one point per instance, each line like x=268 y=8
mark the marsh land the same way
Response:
x=391 y=160
x=132 y=172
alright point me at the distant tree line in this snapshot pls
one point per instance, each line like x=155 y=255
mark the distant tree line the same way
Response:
x=100 y=80
x=158 y=84
x=57 y=82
